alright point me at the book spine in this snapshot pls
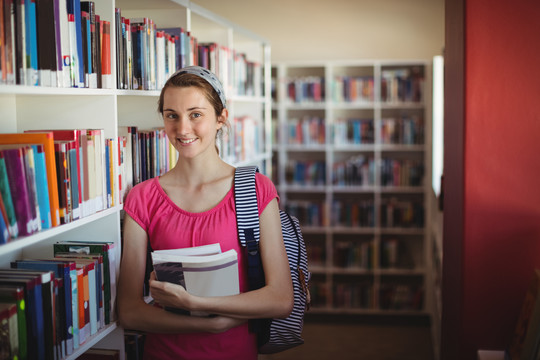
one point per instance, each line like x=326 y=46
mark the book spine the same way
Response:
x=42 y=187
x=106 y=77
x=32 y=77
x=5 y=193
x=15 y=165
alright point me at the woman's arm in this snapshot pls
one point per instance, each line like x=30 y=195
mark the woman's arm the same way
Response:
x=274 y=300
x=133 y=312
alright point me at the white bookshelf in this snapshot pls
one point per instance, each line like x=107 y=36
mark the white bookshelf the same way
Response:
x=27 y=108
x=356 y=287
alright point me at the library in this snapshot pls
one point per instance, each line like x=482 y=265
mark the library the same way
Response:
x=400 y=134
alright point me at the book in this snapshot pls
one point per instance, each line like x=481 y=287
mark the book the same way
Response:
x=16 y=170
x=42 y=187
x=32 y=187
x=46 y=43
x=4 y=229
x=45 y=138
x=15 y=294
x=9 y=340
x=203 y=274
x=5 y=193
x=64 y=181
x=32 y=77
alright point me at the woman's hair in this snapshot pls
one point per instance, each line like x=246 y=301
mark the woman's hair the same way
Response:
x=182 y=79
x=188 y=80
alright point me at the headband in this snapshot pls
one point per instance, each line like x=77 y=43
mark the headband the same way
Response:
x=206 y=75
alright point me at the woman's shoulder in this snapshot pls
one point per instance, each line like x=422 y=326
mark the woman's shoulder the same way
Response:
x=263 y=180
x=143 y=189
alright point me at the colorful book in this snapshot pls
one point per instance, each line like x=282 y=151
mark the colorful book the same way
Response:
x=15 y=294
x=45 y=138
x=4 y=229
x=5 y=193
x=64 y=181
x=32 y=187
x=14 y=157
x=42 y=187
x=32 y=77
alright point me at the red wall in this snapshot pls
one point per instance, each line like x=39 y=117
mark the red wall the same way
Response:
x=501 y=241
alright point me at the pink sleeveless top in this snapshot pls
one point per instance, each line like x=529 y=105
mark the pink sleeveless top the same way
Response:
x=170 y=227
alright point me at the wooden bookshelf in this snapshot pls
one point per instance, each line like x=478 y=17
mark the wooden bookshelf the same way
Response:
x=38 y=107
x=354 y=166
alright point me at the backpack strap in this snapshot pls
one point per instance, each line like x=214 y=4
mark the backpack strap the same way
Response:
x=247 y=221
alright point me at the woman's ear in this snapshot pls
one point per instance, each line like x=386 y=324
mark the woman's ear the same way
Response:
x=222 y=119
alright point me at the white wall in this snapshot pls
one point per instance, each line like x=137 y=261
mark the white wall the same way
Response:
x=340 y=29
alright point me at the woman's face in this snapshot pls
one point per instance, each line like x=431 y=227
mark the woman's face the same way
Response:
x=190 y=121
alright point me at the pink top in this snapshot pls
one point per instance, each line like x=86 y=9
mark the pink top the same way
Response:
x=170 y=227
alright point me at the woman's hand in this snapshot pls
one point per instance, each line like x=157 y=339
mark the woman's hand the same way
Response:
x=168 y=294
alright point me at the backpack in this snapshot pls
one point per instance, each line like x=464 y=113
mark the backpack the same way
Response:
x=273 y=335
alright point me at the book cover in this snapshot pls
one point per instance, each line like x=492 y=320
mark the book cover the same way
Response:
x=98 y=35
x=75 y=189
x=5 y=193
x=16 y=171
x=42 y=186
x=106 y=72
x=201 y=275
x=74 y=9
x=9 y=36
x=20 y=43
x=87 y=56
x=32 y=77
x=4 y=229
x=89 y=8
x=45 y=138
x=46 y=43
x=15 y=294
x=32 y=187
x=64 y=185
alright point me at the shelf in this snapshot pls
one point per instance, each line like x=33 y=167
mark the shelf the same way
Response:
x=22 y=242
x=91 y=341
x=358 y=125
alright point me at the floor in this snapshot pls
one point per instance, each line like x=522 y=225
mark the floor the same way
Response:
x=348 y=341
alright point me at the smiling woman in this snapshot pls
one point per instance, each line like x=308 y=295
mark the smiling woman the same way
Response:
x=193 y=205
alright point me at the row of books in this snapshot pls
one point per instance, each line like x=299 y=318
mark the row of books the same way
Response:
x=401 y=172
x=56 y=304
x=318 y=290
x=148 y=55
x=246 y=141
x=48 y=178
x=353 y=213
x=308 y=130
x=357 y=295
x=394 y=254
x=358 y=170
x=353 y=89
x=309 y=89
x=401 y=213
x=61 y=43
x=407 y=129
x=354 y=254
x=402 y=85
x=401 y=297
x=309 y=213
x=316 y=252
x=311 y=173
x=353 y=131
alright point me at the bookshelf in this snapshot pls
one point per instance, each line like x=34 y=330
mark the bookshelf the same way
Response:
x=352 y=162
x=40 y=107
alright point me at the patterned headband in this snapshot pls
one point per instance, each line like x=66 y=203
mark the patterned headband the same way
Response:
x=206 y=75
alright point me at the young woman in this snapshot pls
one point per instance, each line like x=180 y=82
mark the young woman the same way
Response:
x=192 y=205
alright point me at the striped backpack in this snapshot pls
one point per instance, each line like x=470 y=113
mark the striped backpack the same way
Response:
x=273 y=335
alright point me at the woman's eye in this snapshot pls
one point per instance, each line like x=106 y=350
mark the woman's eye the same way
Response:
x=170 y=116
x=196 y=115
